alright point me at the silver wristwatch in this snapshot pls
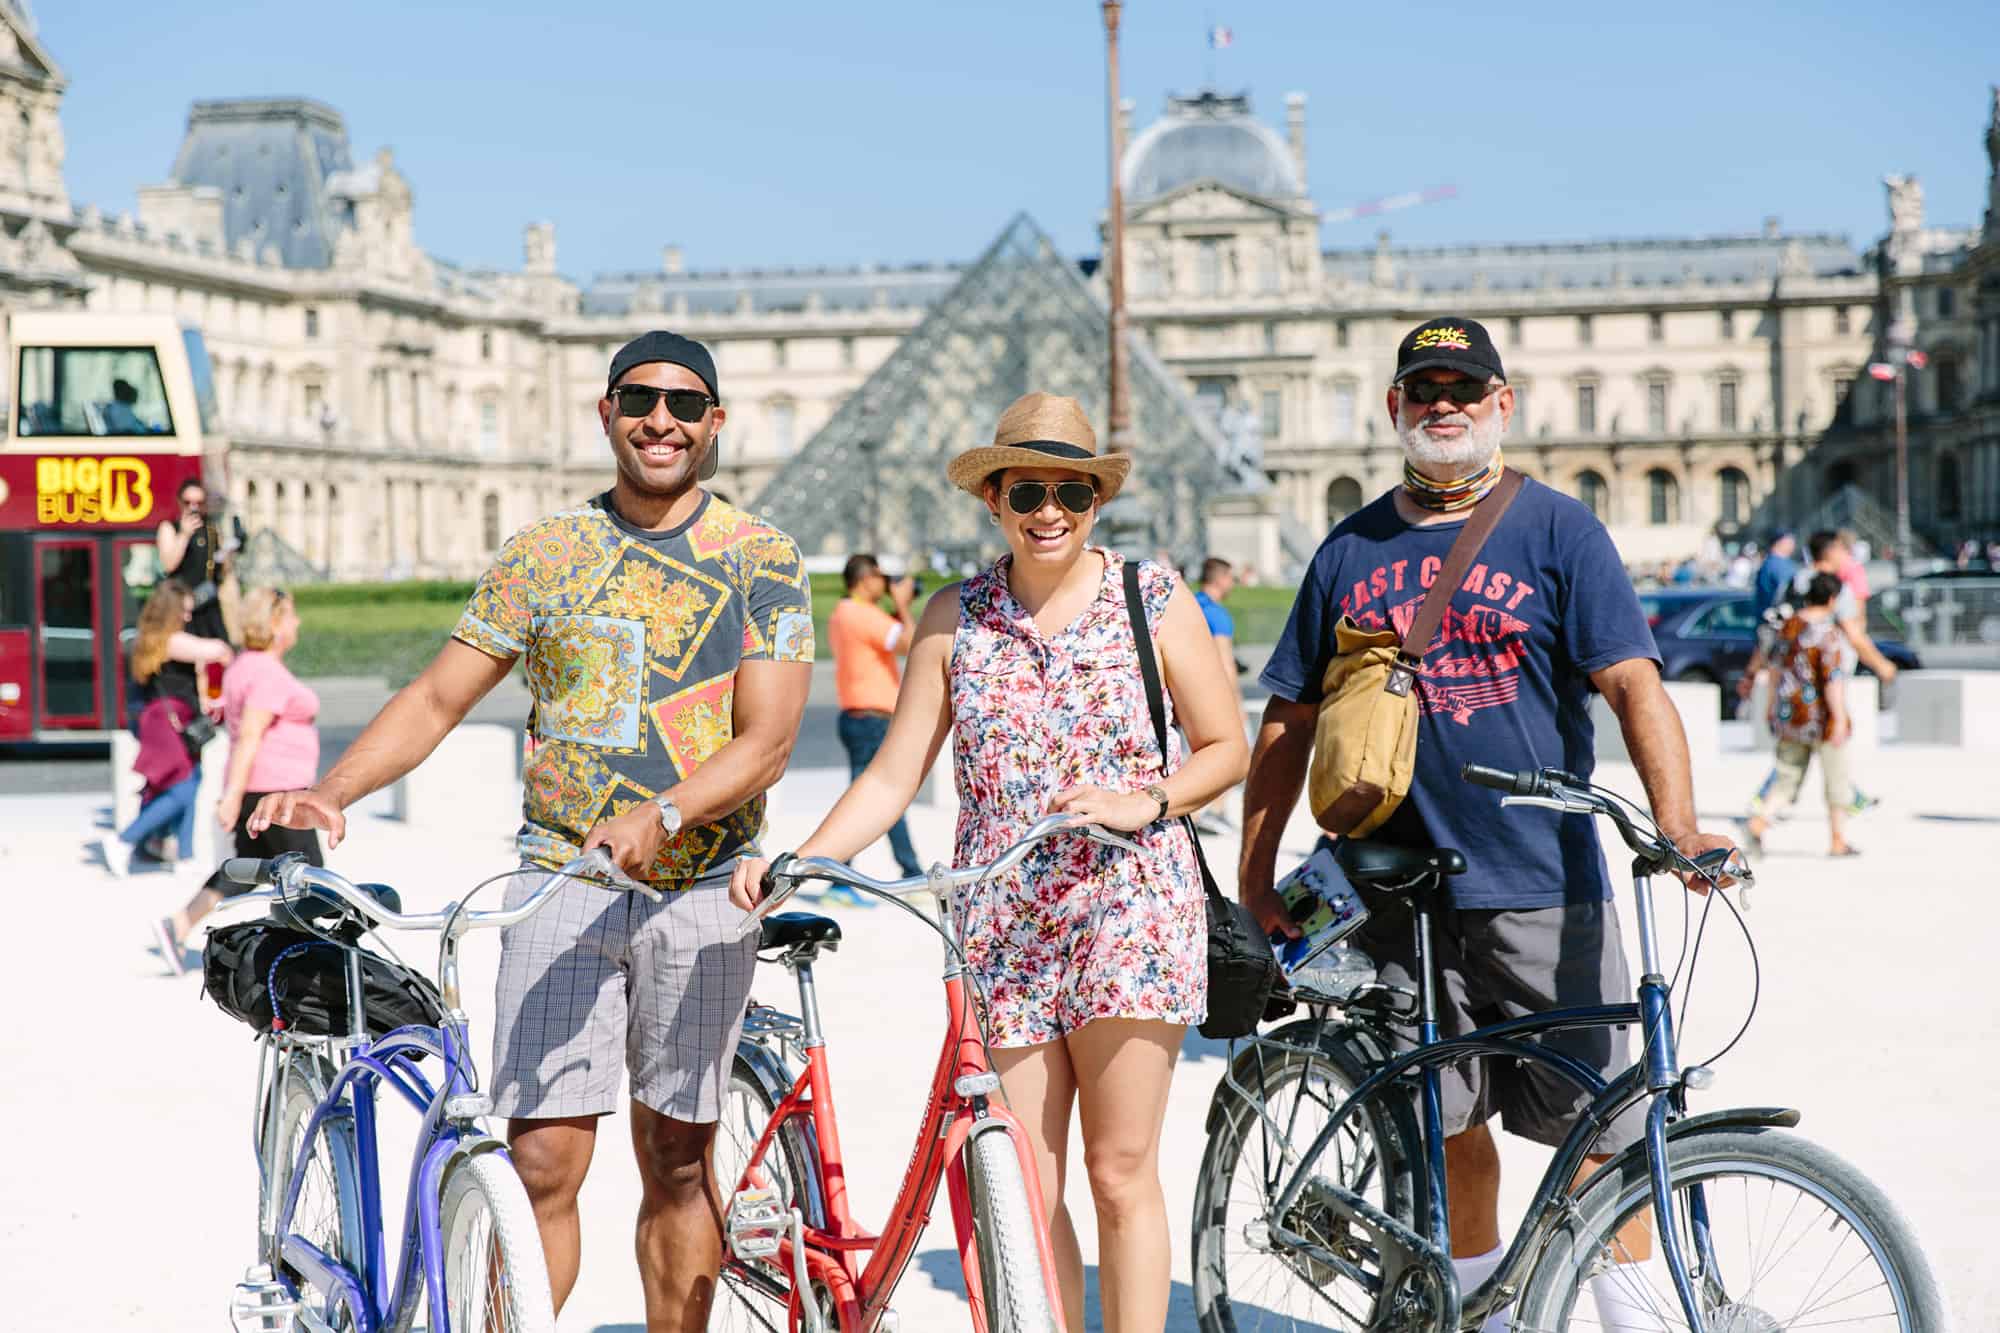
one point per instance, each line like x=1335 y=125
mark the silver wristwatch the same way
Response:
x=670 y=814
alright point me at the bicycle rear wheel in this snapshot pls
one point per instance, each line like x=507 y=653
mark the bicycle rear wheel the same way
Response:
x=1245 y=1281
x=328 y=1212
x=495 y=1278
x=741 y=1304
x=1003 y=1227
x=1800 y=1239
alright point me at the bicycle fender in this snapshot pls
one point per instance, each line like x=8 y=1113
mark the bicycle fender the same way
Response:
x=777 y=1081
x=1734 y=1117
x=1363 y=1045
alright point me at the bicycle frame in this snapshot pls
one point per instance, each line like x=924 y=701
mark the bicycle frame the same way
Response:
x=448 y=1134
x=1655 y=1077
x=958 y=1108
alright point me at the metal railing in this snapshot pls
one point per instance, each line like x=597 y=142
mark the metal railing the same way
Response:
x=1950 y=622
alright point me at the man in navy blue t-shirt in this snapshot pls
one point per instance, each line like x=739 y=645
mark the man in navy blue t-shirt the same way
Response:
x=1544 y=615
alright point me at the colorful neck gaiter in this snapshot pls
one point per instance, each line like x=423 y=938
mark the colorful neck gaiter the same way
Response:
x=1448 y=497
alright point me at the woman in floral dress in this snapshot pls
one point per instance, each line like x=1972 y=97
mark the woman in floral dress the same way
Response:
x=1093 y=960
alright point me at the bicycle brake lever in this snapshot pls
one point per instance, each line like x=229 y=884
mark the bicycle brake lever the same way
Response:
x=1098 y=833
x=1549 y=803
x=602 y=864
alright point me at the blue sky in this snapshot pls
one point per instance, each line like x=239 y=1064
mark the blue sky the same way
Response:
x=899 y=130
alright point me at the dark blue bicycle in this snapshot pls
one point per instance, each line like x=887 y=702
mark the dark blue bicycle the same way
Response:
x=470 y=1257
x=1321 y=1200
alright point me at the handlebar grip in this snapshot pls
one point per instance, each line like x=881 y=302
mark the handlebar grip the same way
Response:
x=1524 y=783
x=247 y=870
x=768 y=883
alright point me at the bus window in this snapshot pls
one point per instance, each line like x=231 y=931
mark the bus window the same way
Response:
x=92 y=391
x=204 y=380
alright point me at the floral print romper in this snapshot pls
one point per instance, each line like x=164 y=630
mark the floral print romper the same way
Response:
x=1078 y=930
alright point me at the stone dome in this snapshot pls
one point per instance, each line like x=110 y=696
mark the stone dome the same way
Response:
x=1209 y=137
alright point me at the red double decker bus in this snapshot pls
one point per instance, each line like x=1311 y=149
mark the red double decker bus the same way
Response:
x=106 y=416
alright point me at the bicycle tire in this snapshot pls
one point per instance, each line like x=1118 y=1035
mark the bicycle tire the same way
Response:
x=328 y=1213
x=747 y=1106
x=1003 y=1227
x=495 y=1277
x=1582 y=1241
x=1379 y=1159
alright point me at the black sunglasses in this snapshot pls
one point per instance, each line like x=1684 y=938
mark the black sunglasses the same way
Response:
x=638 y=400
x=1025 y=497
x=1463 y=392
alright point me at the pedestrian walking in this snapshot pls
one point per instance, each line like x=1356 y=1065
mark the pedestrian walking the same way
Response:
x=1092 y=960
x=272 y=720
x=1809 y=716
x=668 y=640
x=867 y=642
x=163 y=708
x=1544 y=617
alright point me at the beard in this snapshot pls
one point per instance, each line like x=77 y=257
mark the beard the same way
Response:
x=1467 y=452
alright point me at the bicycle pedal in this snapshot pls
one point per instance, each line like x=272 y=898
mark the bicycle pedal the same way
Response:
x=757 y=1222
x=262 y=1307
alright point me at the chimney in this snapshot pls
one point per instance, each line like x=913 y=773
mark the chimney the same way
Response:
x=1295 y=131
x=1771 y=227
x=538 y=247
x=671 y=262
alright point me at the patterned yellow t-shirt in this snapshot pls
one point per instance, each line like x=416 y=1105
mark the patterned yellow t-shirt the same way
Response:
x=632 y=641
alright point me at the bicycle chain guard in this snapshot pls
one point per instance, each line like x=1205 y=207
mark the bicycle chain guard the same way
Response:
x=1407 y=1261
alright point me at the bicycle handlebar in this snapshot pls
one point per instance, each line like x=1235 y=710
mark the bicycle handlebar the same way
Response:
x=290 y=877
x=1553 y=789
x=787 y=872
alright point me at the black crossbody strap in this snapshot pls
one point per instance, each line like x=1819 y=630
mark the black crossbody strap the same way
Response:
x=1156 y=702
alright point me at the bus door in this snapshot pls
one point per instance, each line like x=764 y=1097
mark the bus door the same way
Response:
x=86 y=593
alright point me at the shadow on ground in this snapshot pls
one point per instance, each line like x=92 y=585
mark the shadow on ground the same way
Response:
x=941 y=1267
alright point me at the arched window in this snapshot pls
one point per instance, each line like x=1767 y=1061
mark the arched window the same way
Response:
x=1590 y=489
x=1948 y=487
x=1735 y=486
x=489 y=520
x=1663 y=497
x=1343 y=497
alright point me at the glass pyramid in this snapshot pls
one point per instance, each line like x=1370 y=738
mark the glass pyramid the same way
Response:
x=1021 y=318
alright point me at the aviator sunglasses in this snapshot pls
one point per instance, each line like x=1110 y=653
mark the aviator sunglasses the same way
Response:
x=1025 y=497
x=637 y=400
x=1463 y=392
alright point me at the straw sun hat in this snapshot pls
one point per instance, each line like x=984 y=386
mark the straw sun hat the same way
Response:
x=1041 y=430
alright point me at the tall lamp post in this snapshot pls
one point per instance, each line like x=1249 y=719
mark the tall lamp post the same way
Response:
x=1902 y=358
x=1121 y=407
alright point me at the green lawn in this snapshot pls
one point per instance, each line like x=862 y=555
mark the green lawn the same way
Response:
x=393 y=629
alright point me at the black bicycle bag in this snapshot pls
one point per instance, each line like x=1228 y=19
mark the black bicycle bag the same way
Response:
x=264 y=973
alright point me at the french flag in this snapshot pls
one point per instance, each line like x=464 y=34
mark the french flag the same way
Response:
x=1219 y=38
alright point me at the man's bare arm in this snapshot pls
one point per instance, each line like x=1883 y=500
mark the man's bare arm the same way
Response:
x=402 y=736
x=1278 y=766
x=1657 y=742
x=1856 y=630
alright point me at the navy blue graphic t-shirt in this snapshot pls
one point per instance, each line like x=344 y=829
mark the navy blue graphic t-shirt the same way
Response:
x=1505 y=683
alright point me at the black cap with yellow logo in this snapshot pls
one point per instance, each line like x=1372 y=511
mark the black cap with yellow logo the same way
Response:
x=1451 y=343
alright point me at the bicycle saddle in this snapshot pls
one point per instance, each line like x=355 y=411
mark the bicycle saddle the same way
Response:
x=782 y=930
x=1382 y=866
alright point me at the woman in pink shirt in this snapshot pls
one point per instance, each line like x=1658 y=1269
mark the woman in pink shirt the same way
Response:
x=273 y=746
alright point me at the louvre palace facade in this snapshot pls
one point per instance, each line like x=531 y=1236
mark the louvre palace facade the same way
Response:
x=390 y=413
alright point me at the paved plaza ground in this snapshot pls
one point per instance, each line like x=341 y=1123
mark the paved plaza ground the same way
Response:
x=129 y=1186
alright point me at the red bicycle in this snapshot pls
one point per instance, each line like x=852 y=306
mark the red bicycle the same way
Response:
x=794 y=1253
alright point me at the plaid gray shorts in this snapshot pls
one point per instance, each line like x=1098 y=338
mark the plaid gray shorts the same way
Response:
x=602 y=980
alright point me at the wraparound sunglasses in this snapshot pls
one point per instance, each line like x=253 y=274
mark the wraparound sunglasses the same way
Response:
x=638 y=400
x=1463 y=392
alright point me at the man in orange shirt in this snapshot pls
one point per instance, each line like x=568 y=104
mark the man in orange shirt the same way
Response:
x=866 y=642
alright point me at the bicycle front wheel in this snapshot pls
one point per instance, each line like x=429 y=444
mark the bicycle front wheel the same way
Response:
x=1798 y=1239
x=741 y=1305
x=1245 y=1279
x=1003 y=1227
x=495 y=1278
x=327 y=1214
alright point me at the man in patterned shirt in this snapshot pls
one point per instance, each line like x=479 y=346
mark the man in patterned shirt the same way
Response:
x=667 y=639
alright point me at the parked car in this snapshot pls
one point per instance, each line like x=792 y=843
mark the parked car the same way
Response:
x=1710 y=634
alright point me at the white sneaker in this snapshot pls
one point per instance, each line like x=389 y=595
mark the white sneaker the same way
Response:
x=117 y=856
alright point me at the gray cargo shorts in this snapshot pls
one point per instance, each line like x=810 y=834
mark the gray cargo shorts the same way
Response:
x=1495 y=964
x=601 y=981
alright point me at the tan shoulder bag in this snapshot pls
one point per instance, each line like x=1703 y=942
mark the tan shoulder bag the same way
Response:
x=1365 y=742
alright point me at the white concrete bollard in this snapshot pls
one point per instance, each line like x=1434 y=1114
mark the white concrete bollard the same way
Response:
x=125 y=784
x=211 y=844
x=472 y=779
x=1700 y=707
x=1949 y=708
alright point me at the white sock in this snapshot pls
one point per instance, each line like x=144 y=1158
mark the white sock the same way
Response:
x=1472 y=1272
x=1628 y=1303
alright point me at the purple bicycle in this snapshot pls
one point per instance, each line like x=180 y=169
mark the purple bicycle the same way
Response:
x=470 y=1256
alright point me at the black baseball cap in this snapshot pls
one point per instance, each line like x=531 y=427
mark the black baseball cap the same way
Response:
x=660 y=345
x=1448 y=343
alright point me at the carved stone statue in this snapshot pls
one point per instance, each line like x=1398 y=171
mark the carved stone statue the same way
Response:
x=1906 y=203
x=1993 y=167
